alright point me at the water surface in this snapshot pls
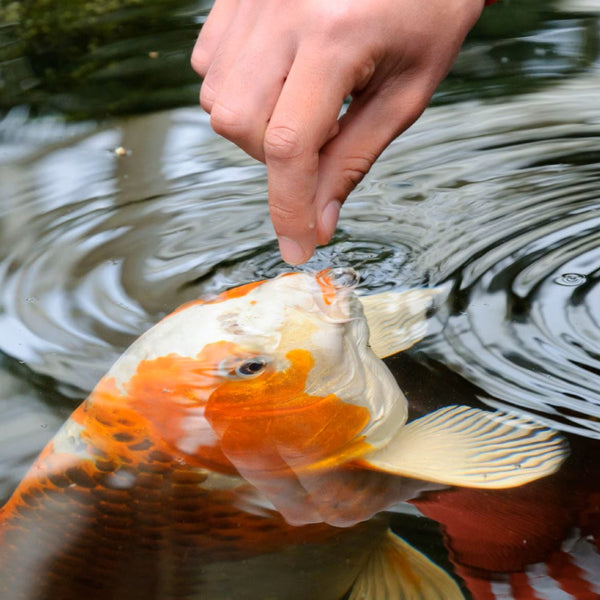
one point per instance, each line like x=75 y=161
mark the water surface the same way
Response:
x=493 y=194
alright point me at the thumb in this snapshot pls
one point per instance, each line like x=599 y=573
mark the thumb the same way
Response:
x=367 y=128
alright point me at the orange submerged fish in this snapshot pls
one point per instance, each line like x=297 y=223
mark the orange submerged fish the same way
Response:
x=243 y=448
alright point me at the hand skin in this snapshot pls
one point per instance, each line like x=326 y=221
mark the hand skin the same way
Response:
x=276 y=73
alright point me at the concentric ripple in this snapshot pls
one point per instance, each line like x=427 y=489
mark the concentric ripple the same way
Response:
x=499 y=201
x=98 y=244
x=523 y=259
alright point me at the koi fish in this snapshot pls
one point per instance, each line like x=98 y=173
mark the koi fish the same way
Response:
x=245 y=447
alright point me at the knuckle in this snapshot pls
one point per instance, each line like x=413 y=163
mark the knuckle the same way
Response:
x=207 y=97
x=355 y=168
x=283 y=142
x=226 y=121
x=334 y=18
x=283 y=213
x=363 y=72
x=290 y=218
x=200 y=61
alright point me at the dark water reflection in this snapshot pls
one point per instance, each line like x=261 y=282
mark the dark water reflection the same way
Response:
x=496 y=199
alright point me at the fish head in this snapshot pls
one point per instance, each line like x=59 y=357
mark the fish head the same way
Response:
x=273 y=377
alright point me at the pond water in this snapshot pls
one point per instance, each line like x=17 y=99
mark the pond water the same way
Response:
x=494 y=194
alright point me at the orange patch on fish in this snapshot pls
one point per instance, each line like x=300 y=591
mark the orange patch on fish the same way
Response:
x=270 y=425
x=164 y=409
x=267 y=424
x=237 y=292
x=328 y=290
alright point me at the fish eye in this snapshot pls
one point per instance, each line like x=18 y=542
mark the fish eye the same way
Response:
x=250 y=367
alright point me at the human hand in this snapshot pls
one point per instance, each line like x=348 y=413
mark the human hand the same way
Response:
x=276 y=74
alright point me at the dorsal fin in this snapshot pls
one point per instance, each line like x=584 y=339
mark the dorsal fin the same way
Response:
x=397 y=320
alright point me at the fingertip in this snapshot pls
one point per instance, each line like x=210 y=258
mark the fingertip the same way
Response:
x=293 y=252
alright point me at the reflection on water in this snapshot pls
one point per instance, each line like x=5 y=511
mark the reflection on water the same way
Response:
x=497 y=199
x=97 y=58
x=523 y=256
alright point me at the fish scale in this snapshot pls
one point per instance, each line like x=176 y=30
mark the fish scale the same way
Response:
x=166 y=517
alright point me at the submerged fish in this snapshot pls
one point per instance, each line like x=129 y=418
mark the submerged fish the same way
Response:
x=540 y=541
x=244 y=448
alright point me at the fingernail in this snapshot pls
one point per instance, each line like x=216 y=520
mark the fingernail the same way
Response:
x=292 y=252
x=329 y=217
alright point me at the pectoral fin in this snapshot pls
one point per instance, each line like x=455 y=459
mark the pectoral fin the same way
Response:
x=397 y=571
x=468 y=447
x=397 y=320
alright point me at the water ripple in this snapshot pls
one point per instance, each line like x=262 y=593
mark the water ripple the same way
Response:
x=499 y=201
x=523 y=259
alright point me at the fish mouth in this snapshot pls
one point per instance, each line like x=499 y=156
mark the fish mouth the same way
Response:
x=338 y=278
x=336 y=299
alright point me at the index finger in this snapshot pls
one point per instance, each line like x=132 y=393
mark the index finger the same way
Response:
x=303 y=120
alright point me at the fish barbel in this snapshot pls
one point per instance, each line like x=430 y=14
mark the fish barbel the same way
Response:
x=244 y=447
